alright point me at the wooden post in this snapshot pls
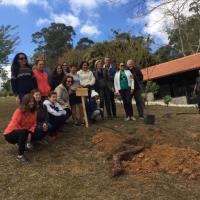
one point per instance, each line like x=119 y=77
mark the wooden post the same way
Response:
x=84 y=112
x=83 y=92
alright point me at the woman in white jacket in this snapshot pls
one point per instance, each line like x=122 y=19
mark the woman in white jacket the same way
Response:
x=124 y=85
x=87 y=79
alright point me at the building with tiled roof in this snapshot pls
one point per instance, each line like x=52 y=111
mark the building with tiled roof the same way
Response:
x=176 y=77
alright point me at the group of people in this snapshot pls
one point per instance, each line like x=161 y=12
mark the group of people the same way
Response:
x=47 y=100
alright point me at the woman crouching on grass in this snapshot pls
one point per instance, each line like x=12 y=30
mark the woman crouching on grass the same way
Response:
x=63 y=91
x=43 y=126
x=22 y=124
x=57 y=115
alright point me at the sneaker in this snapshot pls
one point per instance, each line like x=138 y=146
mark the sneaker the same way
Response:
x=42 y=142
x=29 y=146
x=22 y=159
x=127 y=119
x=141 y=117
x=132 y=118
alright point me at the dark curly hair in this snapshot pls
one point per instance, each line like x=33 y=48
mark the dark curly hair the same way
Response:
x=65 y=80
x=15 y=64
x=54 y=72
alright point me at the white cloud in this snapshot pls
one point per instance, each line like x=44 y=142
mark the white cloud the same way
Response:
x=67 y=19
x=89 y=29
x=23 y=4
x=159 y=20
x=89 y=5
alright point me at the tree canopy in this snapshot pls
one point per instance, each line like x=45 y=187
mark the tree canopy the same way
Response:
x=53 y=40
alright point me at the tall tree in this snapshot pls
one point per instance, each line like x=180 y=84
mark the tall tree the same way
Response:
x=8 y=40
x=122 y=48
x=84 y=43
x=53 y=40
x=166 y=53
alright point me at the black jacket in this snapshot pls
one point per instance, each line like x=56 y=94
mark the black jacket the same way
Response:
x=102 y=79
x=138 y=78
x=23 y=82
x=42 y=114
x=56 y=80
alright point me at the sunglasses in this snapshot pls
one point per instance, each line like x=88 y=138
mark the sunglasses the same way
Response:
x=22 y=58
x=69 y=81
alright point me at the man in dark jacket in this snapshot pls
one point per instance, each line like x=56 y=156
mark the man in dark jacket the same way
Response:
x=138 y=80
x=111 y=71
x=103 y=86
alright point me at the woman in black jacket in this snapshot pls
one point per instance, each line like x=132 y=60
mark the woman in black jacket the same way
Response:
x=57 y=76
x=22 y=78
x=43 y=126
x=103 y=86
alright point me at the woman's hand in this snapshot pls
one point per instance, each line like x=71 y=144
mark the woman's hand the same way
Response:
x=44 y=127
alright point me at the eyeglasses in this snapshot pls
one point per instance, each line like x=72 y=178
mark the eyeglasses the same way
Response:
x=69 y=81
x=22 y=58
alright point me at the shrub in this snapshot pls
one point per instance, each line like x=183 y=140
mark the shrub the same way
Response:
x=167 y=99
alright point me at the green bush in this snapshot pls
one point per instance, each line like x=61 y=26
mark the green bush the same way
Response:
x=167 y=99
x=151 y=87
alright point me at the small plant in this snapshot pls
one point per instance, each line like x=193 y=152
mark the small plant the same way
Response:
x=151 y=87
x=167 y=99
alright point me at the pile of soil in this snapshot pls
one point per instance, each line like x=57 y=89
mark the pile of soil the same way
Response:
x=166 y=158
x=105 y=141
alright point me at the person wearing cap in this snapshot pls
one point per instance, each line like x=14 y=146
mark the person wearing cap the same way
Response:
x=92 y=109
x=111 y=71
x=124 y=85
x=103 y=86
x=138 y=78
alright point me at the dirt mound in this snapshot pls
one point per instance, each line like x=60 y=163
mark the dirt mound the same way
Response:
x=166 y=158
x=106 y=141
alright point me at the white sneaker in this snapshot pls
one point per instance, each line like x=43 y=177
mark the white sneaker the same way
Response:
x=132 y=118
x=127 y=119
x=29 y=146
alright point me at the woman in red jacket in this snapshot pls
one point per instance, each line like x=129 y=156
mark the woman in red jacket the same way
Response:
x=22 y=124
x=42 y=79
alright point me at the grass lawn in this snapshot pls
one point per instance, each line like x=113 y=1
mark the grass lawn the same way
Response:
x=72 y=168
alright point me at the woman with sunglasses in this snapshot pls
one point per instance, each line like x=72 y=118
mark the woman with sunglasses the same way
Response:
x=63 y=92
x=124 y=85
x=57 y=76
x=22 y=78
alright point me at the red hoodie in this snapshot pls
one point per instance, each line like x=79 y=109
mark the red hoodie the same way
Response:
x=22 y=121
x=42 y=82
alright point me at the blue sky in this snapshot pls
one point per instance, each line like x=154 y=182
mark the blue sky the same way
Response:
x=90 y=18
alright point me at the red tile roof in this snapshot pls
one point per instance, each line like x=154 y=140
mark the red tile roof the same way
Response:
x=179 y=65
